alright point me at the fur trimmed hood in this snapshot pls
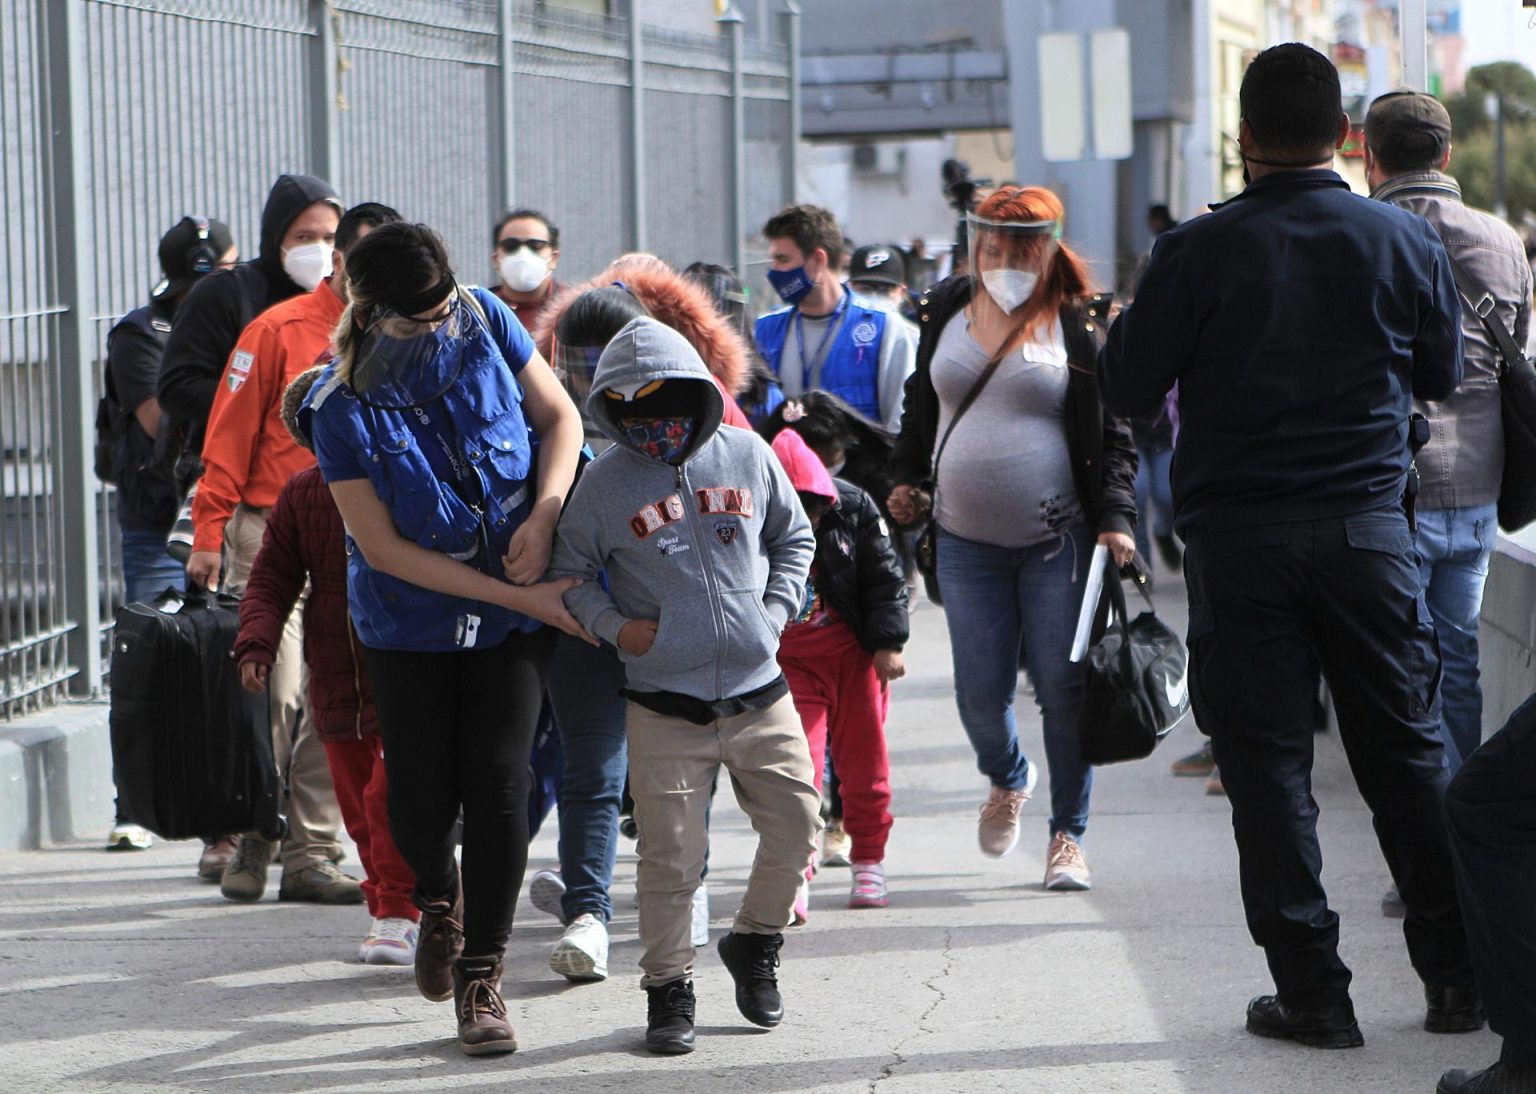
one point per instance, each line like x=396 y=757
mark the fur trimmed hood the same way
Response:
x=673 y=300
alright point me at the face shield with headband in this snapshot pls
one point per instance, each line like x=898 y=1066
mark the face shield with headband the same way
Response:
x=410 y=355
x=1010 y=256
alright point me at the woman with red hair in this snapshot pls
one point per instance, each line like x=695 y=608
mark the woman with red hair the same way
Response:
x=1032 y=473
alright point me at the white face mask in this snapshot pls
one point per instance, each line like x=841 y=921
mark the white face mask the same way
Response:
x=308 y=265
x=1009 y=288
x=522 y=270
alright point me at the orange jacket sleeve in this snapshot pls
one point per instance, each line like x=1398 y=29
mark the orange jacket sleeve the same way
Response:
x=251 y=385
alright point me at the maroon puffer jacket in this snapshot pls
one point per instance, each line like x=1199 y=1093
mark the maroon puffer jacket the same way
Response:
x=305 y=538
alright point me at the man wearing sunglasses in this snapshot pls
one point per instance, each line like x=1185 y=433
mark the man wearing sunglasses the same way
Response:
x=525 y=251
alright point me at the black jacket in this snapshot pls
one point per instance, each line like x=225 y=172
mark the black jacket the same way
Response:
x=146 y=497
x=858 y=573
x=223 y=303
x=1299 y=321
x=1099 y=445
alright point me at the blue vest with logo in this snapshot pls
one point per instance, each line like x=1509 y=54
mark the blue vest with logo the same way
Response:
x=851 y=367
x=481 y=418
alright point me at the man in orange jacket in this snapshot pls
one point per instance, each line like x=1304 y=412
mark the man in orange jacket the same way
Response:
x=248 y=455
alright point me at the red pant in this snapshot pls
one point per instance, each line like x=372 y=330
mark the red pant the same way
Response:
x=842 y=702
x=357 y=771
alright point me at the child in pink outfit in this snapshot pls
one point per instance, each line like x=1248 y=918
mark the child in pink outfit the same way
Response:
x=841 y=654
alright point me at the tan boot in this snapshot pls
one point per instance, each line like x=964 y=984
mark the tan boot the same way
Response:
x=483 y=1025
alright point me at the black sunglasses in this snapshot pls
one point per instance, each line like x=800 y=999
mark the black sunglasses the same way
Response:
x=512 y=244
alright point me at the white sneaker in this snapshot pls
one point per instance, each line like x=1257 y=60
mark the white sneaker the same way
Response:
x=701 y=916
x=998 y=829
x=582 y=952
x=129 y=837
x=1065 y=868
x=545 y=891
x=391 y=941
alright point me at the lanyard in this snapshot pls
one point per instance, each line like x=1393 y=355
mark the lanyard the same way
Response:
x=808 y=365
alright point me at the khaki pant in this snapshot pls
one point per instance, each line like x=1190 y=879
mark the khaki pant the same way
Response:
x=672 y=764
x=314 y=818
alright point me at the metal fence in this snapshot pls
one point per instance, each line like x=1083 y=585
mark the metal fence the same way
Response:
x=121 y=116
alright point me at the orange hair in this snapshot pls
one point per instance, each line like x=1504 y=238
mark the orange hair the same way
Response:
x=1067 y=277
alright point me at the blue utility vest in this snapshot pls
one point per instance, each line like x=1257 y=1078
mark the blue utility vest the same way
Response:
x=469 y=516
x=851 y=367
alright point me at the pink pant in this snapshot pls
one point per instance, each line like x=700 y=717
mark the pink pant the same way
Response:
x=843 y=704
x=357 y=771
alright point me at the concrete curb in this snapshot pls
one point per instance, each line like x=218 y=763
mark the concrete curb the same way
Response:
x=56 y=774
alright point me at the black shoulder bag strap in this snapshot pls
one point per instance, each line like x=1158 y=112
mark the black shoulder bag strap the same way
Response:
x=965 y=404
x=1483 y=303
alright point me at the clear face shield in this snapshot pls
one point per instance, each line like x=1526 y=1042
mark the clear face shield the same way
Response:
x=1010 y=257
x=575 y=367
x=410 y=358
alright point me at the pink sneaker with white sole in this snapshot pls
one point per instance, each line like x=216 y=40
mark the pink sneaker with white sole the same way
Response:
x=868 y=886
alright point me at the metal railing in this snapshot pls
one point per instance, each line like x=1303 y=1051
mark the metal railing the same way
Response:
x=122 y=116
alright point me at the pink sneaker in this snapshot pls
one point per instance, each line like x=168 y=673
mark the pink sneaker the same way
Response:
x=802 y=910
x=868 y=886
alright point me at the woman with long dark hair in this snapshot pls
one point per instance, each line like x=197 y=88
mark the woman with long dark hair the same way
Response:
x=449 y=447
x=1032 y=473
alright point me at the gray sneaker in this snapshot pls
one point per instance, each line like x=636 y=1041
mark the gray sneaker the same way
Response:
x=245 y=878
x=320 y=883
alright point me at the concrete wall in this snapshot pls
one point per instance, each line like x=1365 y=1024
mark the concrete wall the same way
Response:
x=1507 y=637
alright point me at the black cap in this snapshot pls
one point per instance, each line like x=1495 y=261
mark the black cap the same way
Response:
x=189 y=251
x=881 y=262
x=1407 y=128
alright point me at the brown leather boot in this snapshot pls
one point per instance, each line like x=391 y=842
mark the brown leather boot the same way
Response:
x=483 y=1025
x=438 y=945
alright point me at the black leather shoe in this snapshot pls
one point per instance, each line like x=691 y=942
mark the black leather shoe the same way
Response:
x=751 y=959
x=669 y=1018
x=1320 y=1027
x=1452 y=1010
x=1497 y=1079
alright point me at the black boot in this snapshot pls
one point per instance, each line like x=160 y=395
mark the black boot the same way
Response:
x=1331 y=1026
x=1452 y=1010
x=669 y=1018
x=751 y=959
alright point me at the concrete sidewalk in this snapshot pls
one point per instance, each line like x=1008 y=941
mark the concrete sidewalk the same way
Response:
x=120 y=972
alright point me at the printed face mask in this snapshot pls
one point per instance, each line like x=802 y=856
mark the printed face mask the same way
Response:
x=792 y=285
x=308 y=265
x=664 y=439
x=522 y=270
x=1009 y=288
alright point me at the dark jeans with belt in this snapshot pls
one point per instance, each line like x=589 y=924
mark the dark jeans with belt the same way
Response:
x=1270 y=607
x=458 y=728
x=1491 y=809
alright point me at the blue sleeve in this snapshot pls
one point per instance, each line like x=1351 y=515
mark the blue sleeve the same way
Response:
x=339 y=437
x=506 y=331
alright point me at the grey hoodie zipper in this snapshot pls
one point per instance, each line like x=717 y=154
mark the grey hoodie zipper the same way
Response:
x=711 y=579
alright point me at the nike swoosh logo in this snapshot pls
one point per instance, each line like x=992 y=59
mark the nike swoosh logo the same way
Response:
x=1177 y=691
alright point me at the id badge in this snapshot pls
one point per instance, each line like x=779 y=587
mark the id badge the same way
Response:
x=466 y=630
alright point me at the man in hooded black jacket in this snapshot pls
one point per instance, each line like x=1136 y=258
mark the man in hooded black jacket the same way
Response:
x=301 y=211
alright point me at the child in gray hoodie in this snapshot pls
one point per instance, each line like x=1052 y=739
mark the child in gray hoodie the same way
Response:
x=706 y=550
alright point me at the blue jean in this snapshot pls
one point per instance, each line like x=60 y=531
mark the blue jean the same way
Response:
x=1454 y=548
x=997 y=599
x=584 y=683
x=147 y=568
x=1154 y=491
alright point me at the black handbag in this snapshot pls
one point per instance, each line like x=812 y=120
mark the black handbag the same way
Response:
x=1137 y=685
x=926 y=550
x=1517 y=407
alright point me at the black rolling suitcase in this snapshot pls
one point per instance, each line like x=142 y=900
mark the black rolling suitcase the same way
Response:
x=191 y=748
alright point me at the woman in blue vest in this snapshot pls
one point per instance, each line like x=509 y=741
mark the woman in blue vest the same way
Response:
x=449 y=446
x=1030 y=472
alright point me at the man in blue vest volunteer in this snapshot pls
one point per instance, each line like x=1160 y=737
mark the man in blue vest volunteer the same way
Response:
x=827 y=339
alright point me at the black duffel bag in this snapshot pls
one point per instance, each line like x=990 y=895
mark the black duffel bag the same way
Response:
x=1137 y=686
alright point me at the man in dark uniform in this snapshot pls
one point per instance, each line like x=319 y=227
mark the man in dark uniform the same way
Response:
x=1299 y=321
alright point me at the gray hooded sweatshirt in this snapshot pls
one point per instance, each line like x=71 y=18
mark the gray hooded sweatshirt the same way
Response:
x=716 y=549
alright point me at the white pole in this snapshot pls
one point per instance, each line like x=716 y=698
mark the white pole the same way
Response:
x=1412 y=25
